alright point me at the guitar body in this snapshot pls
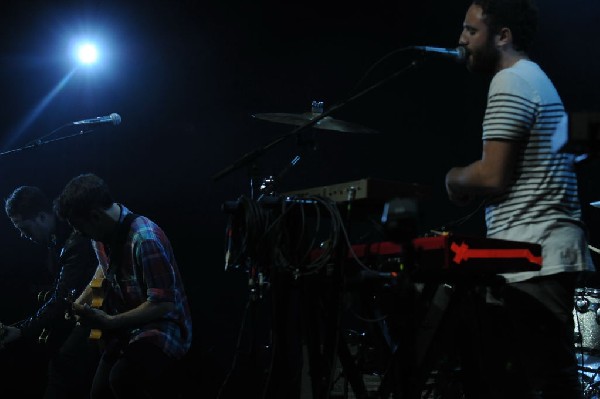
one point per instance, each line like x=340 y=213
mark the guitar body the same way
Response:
x=100 y=286
x=98 y=294
x=44 y=336
x=105 y=339
x=44 y=296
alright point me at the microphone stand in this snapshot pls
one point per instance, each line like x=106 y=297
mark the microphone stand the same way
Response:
x=321 y=385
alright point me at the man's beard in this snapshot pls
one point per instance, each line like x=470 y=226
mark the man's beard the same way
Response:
x=485 y=60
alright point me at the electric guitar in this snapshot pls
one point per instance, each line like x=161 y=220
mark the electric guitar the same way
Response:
x=44 y=336
x=68 y=300
x=100 y=300
x=98 y=293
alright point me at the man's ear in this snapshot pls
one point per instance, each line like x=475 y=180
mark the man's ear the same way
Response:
x=96 y=215
x=41 y=217
x=504 y=37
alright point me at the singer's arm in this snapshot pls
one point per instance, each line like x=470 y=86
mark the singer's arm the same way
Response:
x=489 y=175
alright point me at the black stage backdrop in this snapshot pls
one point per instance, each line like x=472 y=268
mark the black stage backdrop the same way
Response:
x=186 y=78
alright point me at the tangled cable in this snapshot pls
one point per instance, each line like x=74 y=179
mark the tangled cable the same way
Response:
x=299 y=234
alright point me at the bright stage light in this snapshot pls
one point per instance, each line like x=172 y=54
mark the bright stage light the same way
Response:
x=87 y=54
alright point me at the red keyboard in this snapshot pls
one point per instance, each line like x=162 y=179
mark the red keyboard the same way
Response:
x=456 y=253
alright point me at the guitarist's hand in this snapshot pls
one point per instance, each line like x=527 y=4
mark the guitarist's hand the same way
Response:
x=92 y=317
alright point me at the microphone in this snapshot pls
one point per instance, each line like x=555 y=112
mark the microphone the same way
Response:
x=459 y=53
x=113 y=118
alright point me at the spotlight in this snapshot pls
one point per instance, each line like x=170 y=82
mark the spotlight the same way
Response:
x=87 y=54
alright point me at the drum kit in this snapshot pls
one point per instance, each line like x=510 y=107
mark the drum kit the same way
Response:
x=586 y=319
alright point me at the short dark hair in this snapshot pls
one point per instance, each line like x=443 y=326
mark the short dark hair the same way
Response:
x=520 y=16
x=27 y=202
x=81 y=195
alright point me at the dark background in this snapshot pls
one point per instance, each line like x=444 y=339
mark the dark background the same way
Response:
x=187 y=76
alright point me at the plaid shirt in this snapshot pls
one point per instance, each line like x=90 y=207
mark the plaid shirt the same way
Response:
x=148 y=272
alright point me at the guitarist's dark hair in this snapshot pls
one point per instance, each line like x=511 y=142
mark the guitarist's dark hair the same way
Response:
x=81 y=195
x=27 y=202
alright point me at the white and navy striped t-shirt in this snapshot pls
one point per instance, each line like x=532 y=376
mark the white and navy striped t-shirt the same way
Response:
x=541 y=203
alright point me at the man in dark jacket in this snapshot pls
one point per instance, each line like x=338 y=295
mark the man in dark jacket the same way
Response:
x=72 y=259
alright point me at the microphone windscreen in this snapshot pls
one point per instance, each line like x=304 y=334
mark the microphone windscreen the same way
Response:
x=116 y=118
x=461 y=54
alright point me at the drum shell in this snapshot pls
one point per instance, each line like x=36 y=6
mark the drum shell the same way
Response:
x=586 y=319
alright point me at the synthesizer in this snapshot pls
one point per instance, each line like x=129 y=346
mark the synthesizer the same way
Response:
x=364 y=189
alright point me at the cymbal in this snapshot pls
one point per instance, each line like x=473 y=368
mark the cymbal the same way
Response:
x=595 y=204
x=327 y=123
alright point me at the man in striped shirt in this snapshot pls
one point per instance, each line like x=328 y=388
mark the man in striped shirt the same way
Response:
x=530 y=190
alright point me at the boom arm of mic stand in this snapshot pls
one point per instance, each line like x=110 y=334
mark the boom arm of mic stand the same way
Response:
x=255 y=154
x=247 y=158
x=361 y=93
x=39 y=143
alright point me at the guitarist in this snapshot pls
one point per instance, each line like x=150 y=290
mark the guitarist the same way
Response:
x=146 y=314
x=71 y=258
